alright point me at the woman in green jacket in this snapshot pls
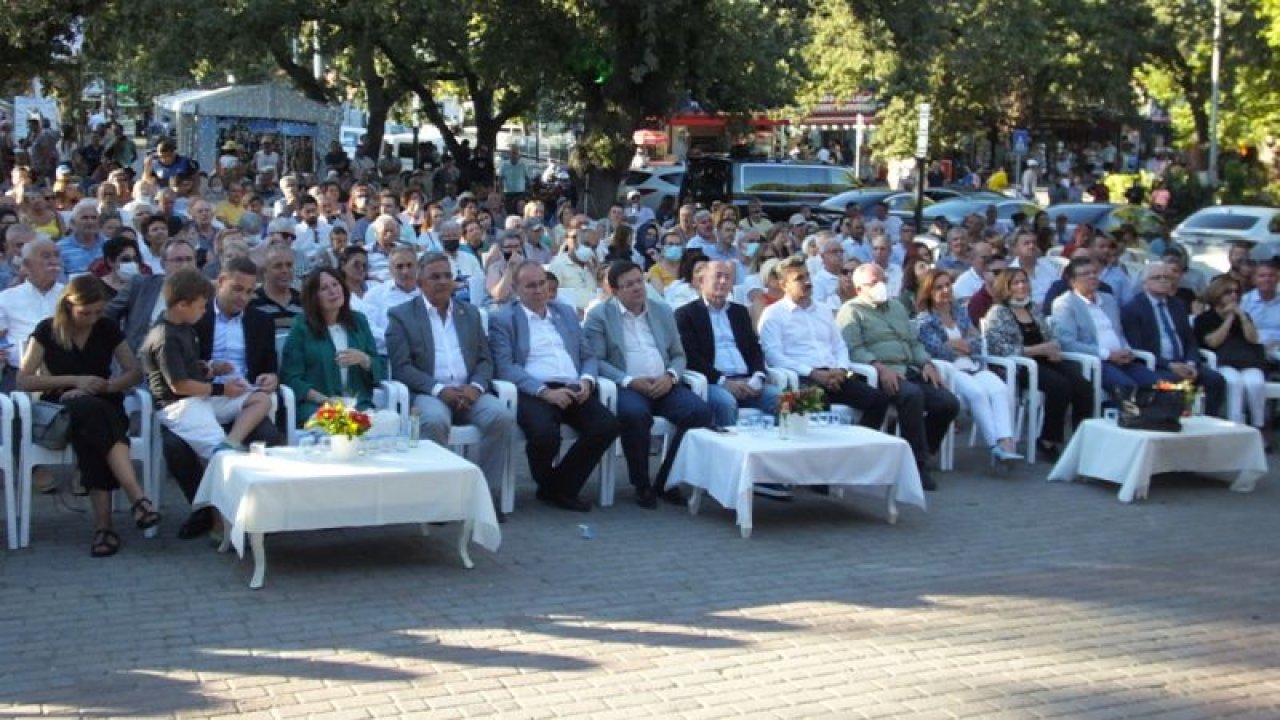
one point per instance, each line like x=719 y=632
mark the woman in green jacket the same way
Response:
x=330 y=352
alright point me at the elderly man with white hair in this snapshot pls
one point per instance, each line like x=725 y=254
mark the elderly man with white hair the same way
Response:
x=878 y=332
x=24 y=306
x=826 y=279
x=84 y=245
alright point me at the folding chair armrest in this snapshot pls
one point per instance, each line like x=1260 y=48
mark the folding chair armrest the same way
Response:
x=1209 y=358
x=506 y=392
x=1149 y=359
x=868 y=373
x=696 y=381
x=782 y=378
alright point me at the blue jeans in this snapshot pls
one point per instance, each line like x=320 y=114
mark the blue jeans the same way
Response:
x=724 y=406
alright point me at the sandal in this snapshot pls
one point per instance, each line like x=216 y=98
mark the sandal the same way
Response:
x=144 y=515
x=105 y=543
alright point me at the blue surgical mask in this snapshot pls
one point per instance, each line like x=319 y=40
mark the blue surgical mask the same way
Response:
x=584 y=253
x=672 y=253
x=753 y=249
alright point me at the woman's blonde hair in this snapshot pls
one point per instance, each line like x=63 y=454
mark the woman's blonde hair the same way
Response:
x=81 y=290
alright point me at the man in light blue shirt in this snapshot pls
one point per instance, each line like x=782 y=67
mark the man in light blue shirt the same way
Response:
x=84 y=245
x=1263 y=304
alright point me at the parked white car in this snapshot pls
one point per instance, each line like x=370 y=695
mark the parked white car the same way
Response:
x=1209 y=232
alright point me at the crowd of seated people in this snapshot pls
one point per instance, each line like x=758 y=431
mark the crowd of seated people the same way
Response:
x=445 y=293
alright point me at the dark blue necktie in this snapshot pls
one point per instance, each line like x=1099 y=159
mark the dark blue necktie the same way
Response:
x=1167 y=323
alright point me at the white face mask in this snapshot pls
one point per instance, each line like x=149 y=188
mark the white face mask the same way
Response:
x=877 y=294
x=127 y=270
x=584 y=253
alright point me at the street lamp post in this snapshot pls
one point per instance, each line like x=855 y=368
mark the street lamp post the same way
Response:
x=859 y=128
x=1215 y=68
x=922 y=152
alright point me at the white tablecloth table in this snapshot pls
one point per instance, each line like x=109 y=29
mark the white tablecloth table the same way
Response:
x=288 y=490
x=728 y=465
x=1103 y=450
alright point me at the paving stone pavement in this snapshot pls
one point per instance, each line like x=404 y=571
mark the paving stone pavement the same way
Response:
x=1009 y=598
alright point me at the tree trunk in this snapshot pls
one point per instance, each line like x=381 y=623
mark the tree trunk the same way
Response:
x=607 y=139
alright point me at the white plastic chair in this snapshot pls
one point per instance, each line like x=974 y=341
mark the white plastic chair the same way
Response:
x=1028 y=410
x=6 y=466
x=508 y=394
x=662 y=427
x=31 y=455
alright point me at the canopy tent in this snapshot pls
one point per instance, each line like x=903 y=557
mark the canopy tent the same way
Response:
x=205 y=119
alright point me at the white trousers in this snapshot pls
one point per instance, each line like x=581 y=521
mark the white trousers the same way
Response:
x=1245 y=386
x=198 y=420
x=989 y=403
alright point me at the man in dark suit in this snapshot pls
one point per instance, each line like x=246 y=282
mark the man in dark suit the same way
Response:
x=639 y=348
x=538 y=346
x=237 y=341
x=1156 y=321
x=438 y=349
x=137 y=309
x=720 y=343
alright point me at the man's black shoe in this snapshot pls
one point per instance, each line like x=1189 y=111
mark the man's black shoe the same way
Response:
x=646 y=498
x=927 y=482
x=674 y=496
x=564 y=503
x=197 y=524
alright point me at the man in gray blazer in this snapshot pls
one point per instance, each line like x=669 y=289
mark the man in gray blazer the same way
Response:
x=1087 y=321
x=639 y=349
x=438 y=349
x=137 y=309
x=538 y=346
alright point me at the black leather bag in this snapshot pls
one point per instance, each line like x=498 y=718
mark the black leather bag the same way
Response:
x=1151 y=409
x=50 y=425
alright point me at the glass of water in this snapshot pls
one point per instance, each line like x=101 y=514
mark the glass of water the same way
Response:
x=307 y=443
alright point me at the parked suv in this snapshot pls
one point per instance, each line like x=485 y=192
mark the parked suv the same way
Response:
x=781 y=187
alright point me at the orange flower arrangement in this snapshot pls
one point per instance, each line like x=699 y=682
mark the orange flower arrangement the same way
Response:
x=1186 y=387
x=806 y=400
x=333 y=418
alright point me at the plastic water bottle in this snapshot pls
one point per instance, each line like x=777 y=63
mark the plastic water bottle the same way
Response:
x=415 y=425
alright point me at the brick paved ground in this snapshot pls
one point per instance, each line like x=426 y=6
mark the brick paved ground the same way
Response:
x=1010 y=598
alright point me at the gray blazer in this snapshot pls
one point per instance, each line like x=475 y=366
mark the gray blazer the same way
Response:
x=605 y=337
x=1073 y=326
x=411 y=351
x=509 y=340
x=133 y=308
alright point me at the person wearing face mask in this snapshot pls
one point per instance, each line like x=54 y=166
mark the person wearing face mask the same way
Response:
x=666 y=270
x=1015 y=327
x=467 y=272
x=118 y=265
x=878 y=332
x=574 y=267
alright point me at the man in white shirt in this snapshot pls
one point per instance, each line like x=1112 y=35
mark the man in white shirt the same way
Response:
x=704 y=232
x=637 y=214
x=539 y=346
x=401 y=287
x=574 y=267
x=24 y=306
x=1088 y=321
x=826 y=281
x=971 y=281
x=853 y=232
x=638 y=346
x=882 y=255
x=800 y=336
x=1041 y=272
x=1263 y=303
x=436 y=346
x=1107 y=252
x=467 y=272
x=312 y=232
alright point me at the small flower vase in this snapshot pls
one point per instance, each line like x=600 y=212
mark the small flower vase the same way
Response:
x=342 y=447
x=799 y=424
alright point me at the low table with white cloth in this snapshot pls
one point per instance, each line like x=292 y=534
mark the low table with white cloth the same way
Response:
x=1102 y=449
x=288 y=489
x=728 y=464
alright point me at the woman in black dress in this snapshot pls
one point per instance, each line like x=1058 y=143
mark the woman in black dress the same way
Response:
x=1014 y=327
x=68 y=360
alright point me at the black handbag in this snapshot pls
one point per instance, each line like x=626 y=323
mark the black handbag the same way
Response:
x=1151 y=409
x=50 y=425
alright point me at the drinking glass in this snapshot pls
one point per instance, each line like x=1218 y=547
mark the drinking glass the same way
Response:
x=307 y=443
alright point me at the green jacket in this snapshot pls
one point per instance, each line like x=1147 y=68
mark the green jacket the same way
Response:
x=310 y=363
x=881 y=334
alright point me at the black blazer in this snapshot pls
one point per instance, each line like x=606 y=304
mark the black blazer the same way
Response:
x=694 y=324
x=1143 y=333
x=259 y=341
